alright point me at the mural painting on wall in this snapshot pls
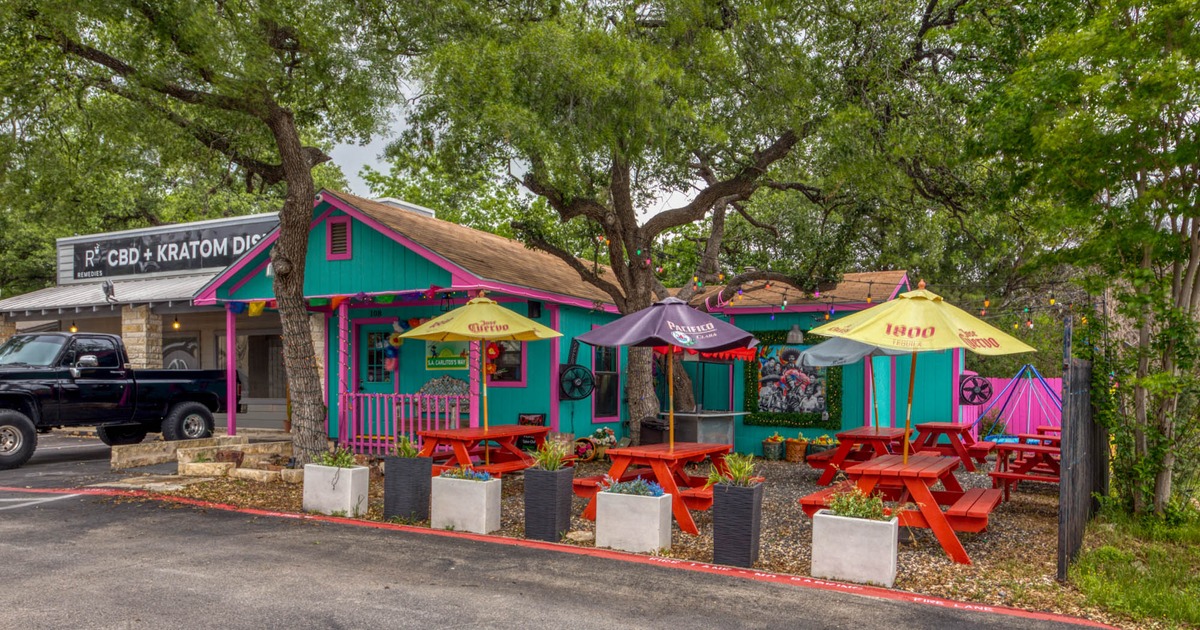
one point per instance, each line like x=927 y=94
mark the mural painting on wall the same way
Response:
x=786 y=387
x=446 y=355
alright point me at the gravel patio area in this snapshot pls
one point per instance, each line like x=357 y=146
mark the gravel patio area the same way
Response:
x=1013 y=562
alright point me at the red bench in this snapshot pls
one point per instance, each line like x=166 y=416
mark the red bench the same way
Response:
x=819 y=500
x=1008 y=480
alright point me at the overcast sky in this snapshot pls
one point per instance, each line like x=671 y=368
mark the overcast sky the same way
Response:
x=352 y=158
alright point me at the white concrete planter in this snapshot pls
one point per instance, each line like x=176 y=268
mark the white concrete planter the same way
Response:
x=336 y=491
x=465 y=505
x=854 y=549
x=630 y=522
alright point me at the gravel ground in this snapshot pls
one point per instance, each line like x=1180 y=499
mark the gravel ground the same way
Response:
x=1013 y=561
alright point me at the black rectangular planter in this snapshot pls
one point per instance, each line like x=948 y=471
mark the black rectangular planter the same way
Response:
x=737 y=521
x=406 y=485
x=548 y=503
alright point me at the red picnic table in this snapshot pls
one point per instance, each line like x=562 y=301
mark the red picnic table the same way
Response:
x=1049 y=428
x=462 y=446
x=960 y=442
x=1033 y=462
x=1040 y=438
x=912 y=483
x=666 y=464
x=856 y=445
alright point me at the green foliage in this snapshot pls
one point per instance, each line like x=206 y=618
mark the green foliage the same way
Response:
x=337 y=457
x=1144 y=567
x=466 y=472
x=854 y=503
x=741 y=471
x=550 y=455
x=639 y=487
x=405 y=448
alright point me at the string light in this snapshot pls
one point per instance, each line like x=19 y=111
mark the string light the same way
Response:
x=73 y=328
x=175 y=324
x=986 y=303
x=1051 y=298
x=1029 y=323
x=869 y=292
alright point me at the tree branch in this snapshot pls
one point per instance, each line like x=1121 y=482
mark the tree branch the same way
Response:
x=742 y=184
x=531 y=238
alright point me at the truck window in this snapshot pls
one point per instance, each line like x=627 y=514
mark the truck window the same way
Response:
x=104 y=350
x=33 y=350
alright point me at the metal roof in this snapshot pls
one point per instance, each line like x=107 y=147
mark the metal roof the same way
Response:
x=75 y=298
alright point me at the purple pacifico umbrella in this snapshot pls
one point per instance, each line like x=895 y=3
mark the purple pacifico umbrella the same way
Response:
x=670 y=322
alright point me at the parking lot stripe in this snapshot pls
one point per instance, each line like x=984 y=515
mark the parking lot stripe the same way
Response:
x=29 y=502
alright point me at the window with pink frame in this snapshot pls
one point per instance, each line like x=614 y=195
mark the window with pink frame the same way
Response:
x=606 y=398
x=510 y=365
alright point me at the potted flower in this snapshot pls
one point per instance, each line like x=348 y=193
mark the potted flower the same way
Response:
x=585 y=449
x=821 y=444
x=794 y=448
x=465 y=499
x=855 y=540
x=603 y=438
x=773 y=447
x=407 y=482
x=548 y=492
x=335 y=485
x=633 y=515
x=737 y=512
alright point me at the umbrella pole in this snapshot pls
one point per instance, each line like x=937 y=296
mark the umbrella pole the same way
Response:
x=671 y=397
x=912 y=379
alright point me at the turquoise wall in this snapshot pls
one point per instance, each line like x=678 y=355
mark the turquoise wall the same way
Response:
x=932 y=397
x=575 y=416
x=377 y=264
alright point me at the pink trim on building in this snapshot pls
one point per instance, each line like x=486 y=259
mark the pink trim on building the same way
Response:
x=955 y=374
x=555 y=361
x=473 y=384
x=599 y=419
x=231 y=374
x=902 y=285
x=329 y=223
x=892 y=406
x=250 y=276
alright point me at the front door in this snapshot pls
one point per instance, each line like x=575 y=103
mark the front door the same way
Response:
x=373 y=412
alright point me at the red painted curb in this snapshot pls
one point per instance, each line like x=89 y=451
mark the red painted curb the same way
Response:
x=688 y=565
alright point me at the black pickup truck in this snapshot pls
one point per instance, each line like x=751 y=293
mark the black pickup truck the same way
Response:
x=50 y=380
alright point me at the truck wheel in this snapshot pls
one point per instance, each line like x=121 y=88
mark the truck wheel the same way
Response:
x=187 y=421
x=18 y=438
x=120 y=436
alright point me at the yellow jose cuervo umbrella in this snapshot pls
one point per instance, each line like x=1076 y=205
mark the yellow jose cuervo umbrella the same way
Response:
x=919 y=321
x=481 y=319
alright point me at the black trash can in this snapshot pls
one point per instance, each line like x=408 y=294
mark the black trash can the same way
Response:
x=654 y=431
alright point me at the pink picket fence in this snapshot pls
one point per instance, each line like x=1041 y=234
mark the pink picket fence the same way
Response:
x=377 y=420
x=1029 y=406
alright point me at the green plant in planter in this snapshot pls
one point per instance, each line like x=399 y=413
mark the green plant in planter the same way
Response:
x=741 y=471
x=466 y=473
x=638 y=486
x=855 y=503
x=337 y=458
x=405 y=448
x=551 y=455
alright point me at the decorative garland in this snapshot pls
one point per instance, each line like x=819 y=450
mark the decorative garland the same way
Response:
x=806 y=420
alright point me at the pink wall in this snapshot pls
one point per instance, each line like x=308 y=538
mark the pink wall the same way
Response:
x=1023 y=413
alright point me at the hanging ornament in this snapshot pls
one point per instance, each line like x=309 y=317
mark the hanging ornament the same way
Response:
x=772 y=316
x=720 y=276
x=817 y=293
x=1016 y=326
x=391 y=364
x=414 y=322
x=493 y=351
x=391 y=352
x=395 y=340
x=1029 y=323
x=987 y=303
x=491 y=369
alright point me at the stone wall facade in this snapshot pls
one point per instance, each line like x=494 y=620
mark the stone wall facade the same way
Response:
x=142 y=331
x=7 y=329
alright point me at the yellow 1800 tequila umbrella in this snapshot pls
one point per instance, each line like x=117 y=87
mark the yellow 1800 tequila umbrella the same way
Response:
x=918 y=321
x=482 y=319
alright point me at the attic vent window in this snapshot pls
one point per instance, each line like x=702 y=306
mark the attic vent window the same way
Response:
x=338 y=238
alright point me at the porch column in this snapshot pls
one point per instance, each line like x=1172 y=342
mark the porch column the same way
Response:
x=555 y=359
x=474 y=387
x=345 y=407
x=231 y=374
x=141 y=330
x=8 y=328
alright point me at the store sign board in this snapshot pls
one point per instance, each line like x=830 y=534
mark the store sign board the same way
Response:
x=181 y=251
x=446 y=355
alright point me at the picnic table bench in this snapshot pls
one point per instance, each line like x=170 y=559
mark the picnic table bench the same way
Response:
x=1033 y=462
x=466 y=447
x=911 y=485
x=959 y=444
x=855 y=446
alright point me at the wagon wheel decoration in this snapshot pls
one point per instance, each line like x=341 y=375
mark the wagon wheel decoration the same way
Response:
x=974 y=390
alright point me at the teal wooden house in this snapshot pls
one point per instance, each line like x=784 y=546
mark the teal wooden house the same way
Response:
x=376 y=268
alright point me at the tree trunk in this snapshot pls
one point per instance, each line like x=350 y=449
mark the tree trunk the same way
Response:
x=685 y=396
x=288 y=258
x=639 y=384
